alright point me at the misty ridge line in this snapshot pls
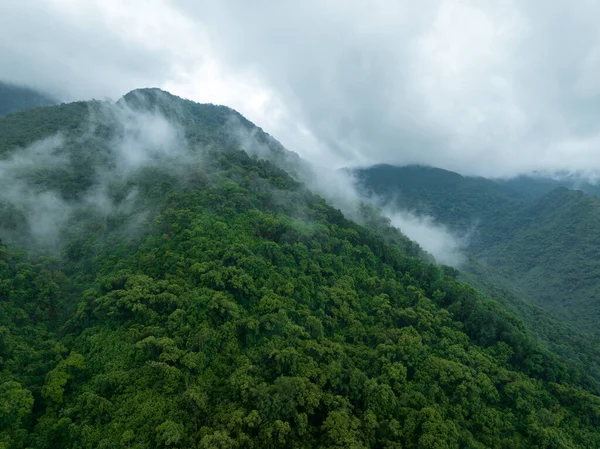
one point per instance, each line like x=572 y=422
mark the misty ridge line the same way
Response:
x=340 y=188
x=499 y=113
x=127 y=137
x=119 y=142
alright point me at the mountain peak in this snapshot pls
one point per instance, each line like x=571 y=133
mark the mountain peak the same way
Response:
x=148 y=97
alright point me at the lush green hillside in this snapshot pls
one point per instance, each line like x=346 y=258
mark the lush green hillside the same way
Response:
x=450 y=197
x=465 y=204
x=540 y=239
x=17 y=98
x=553 y=255
x=217 y=303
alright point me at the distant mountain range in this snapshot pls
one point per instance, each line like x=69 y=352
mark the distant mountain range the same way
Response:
x=539 y=236
x=14 y=98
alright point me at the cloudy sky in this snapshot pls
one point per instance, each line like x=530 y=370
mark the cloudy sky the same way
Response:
x=493 y=88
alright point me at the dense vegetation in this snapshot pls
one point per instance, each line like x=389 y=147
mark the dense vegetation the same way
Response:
x=535 y=236
x=17 y=98
x=246 y=312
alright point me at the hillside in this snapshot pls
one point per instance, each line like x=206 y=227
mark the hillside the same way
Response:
x=18 y=98
x=183 y=290
x=464 y=204
x=538 y=237
x=553 y=255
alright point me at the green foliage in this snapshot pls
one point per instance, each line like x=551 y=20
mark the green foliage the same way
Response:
x=251 y=314
x=537 y=240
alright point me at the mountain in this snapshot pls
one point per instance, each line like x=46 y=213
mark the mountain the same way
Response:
x=15 y=98
x=458 y=201
x=165 y=283
x=538 y=237
x=536 y=185
x=553 y=255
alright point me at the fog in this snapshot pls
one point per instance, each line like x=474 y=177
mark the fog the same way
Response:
x=45 y=211
x=340 y=189
x=434 y=238
x=32 y=178
x=119 y=141
x=495 y=89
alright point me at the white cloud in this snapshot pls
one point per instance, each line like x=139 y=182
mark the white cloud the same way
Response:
x=491 y=88
x=434 y=238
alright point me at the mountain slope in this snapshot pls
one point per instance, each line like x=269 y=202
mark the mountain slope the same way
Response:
x=464 y=204
x=554 y=255
x=17 y=98
x=242 y=310
x=544 y=244
x=453 y=199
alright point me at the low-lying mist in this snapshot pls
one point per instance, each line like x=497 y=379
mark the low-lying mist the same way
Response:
x=62 y=184
x=44 y=211
x=434 y=238
x=99 y=178
x=339 y=187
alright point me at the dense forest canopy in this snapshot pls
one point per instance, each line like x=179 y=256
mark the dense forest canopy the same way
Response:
x=185 y=291
x=539 y=236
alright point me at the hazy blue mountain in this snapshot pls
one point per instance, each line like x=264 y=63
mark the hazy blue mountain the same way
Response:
x=534 y=186
x=15 y=98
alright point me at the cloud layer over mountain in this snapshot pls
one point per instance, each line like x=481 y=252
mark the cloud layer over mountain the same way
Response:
x=494 y=88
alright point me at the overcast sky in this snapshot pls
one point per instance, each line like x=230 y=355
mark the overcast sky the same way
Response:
x=493 y=88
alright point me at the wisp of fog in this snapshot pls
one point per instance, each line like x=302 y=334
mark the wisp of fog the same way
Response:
x=339 y=188
x=31 y=182
x=143 y=138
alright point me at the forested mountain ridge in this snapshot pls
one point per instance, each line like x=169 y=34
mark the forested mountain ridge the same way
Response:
x=200 y=296
x=538 y=236
x=457 y=201
x=553 y=255
x=17 y=98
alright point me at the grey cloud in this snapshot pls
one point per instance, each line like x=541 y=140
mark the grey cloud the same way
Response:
x=492 y=88
x=72 y=56
x=486 y=88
